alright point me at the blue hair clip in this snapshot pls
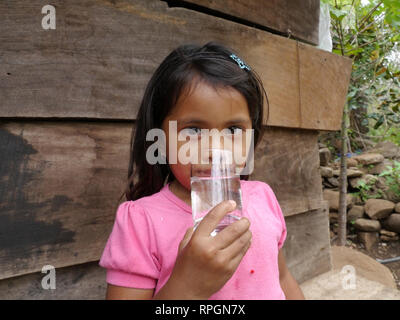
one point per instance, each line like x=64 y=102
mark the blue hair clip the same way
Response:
x=239 y=61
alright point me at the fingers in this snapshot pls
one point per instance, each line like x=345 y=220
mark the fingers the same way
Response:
x=211 y=220
x=239 y=254
x=238 y=247
x=232 y=232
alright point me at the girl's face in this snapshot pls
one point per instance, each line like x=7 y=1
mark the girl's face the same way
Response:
x=206 y=107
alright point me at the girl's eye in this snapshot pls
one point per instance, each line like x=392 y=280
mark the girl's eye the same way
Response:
x=233 y=130
x=190 y=131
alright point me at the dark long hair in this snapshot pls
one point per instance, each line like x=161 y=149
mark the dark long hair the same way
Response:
x=210 y=63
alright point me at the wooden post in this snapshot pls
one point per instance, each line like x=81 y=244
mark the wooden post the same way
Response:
x=343 y=182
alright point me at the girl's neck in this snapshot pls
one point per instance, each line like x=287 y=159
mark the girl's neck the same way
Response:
x=180 y=191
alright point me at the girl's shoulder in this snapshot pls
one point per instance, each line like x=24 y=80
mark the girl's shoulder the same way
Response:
x=142 y=205
x=259 y=193
x=255 y=187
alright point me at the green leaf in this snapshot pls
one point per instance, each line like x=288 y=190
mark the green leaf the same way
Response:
x=337 y=14
x=379 y=122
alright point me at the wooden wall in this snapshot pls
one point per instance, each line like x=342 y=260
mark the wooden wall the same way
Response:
x=291 y=18
x=68 y=100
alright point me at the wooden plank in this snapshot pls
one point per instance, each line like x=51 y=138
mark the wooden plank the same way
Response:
x=306 y=250
x=327 y=90
x=96 y=63
x=307 y=247
x=296 y=18
x=81 y=282
x=307 y=253
x=288 y=160
x=59 y=190
x=60 y=183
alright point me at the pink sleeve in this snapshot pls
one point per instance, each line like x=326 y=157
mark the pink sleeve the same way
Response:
x=278 y=213
x=130 y=255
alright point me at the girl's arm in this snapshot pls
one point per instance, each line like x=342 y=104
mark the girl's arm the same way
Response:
x=288 y=283
x=123 y=293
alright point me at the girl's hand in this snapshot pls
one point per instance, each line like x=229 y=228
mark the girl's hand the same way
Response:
x=205 y=263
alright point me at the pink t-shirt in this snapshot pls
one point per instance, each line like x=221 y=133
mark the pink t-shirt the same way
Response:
x=143 y=245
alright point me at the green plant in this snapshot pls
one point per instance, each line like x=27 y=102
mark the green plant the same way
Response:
x=368 y=32
x=392 y=177
x=371 y=166
x=366 y=190
x=390 y=133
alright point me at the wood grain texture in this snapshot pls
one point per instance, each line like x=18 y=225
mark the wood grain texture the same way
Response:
x=288 y=160
x=59 y=190
x=326 y=88
x=307 y=247
x=81 y=282
x=306 y=250
x=60 y=184
x=99 y=59
x=295 y=18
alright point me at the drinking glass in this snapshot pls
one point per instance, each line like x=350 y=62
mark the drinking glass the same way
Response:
x=212 y=183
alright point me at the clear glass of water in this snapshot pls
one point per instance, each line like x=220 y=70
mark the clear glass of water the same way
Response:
x=212 y=183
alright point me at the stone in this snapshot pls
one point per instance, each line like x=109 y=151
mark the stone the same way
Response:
x=397 y=207
x=351 y=162
x=367 y=178
x=324 y=157
x=326 y=172
x=333 y=217
x=383 y=188
x=321 y=145
x=369 y=158
x=378 y=208
x=325 y=183
x=335 y=165
x=380 y=167
x=352 y=173
x=387 y=239
x=333 y=182
x=388 y=149
x=388 y=233
x=356 y=212
x=356 y=199
x=365 y=267
x=392 y=223
x=368 y=239
x=381 y=183
x=367 y=225
x=388 y=194
x=333 y=198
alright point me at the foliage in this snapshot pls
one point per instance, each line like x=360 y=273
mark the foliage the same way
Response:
x=366 y=190
x=368 y=31
x=385 y=133
x=392 y=177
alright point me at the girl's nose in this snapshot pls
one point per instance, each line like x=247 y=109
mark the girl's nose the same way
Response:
x=217 y=139
x=220 y=156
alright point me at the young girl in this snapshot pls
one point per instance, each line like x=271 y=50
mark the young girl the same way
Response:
x=153 y=251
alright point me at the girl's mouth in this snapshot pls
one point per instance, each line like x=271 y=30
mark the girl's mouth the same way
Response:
x=205 y=172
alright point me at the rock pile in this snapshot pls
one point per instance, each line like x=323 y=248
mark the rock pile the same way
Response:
x=373 y=201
